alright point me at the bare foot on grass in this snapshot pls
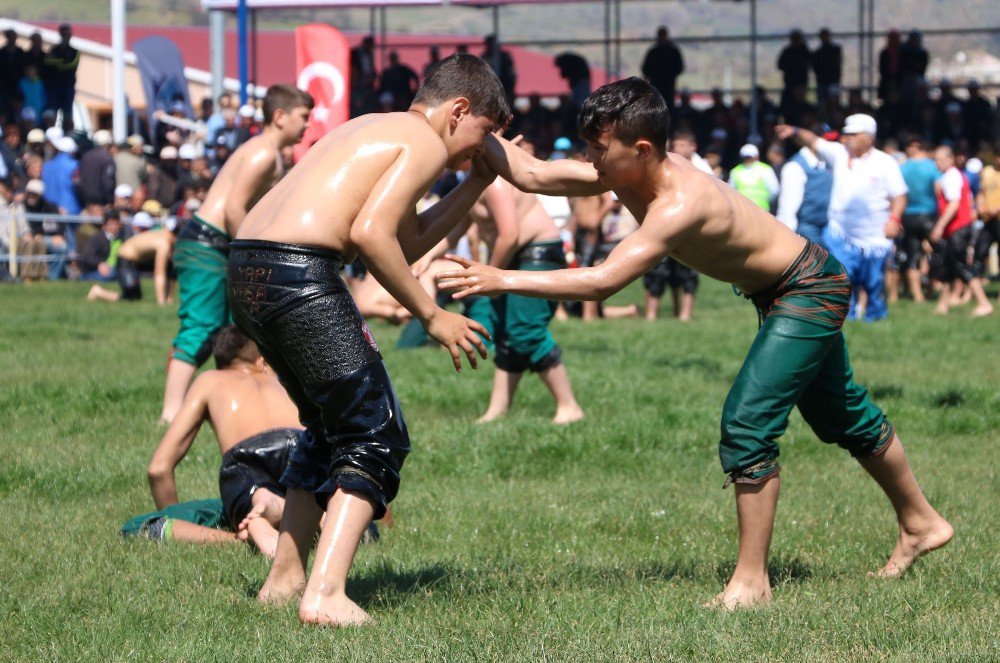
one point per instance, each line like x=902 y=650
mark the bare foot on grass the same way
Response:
x=912 y=545
x=336 y=610
x=281 y=592
x=982 y=311
x=491 y=415
x=740 y=594
x=567 y=415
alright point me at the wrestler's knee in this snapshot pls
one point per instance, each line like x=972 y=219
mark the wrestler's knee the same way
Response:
x=747 y=454
x=550 y=359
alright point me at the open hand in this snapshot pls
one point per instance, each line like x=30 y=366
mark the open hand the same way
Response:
x=475 y=279
x=458 y=334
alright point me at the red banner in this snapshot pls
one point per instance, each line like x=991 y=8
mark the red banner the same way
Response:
x=322 y=65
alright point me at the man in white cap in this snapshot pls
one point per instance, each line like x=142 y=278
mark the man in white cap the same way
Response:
x=36 y=142
x=97 y=174
x=51 y=233
x=866 y=205
x=123 y=197
x=753 y=178
x=130 y=164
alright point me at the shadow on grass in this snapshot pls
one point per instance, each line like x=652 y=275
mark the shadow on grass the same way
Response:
x=883 y=391
x=949 y=398
x=780 y=570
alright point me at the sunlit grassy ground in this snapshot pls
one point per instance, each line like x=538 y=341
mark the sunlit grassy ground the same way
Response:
x=516 y=540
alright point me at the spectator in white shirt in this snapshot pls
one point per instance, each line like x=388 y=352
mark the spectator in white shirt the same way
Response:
x=866 y=205
x=804 y=200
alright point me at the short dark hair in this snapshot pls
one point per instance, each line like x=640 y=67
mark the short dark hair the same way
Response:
x=465 y=75
x=286 y=98
x=630 y=109
x=111 y=214
x=230 y=344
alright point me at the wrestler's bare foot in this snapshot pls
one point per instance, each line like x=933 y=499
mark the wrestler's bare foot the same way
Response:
x=941 y=310
x=738 y=594
x=280 y=593
x=331 y=610
x=914 y=543
x=259 y=532
x=982 y=310
x=569 y=414
x=92 y=294
x=491 y=415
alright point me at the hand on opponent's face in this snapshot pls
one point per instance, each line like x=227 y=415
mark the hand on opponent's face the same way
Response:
x=474 y=279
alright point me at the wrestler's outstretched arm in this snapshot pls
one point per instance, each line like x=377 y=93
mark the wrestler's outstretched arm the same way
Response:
x=564 y=177
x=420 y=233
x=177 y=441
x=375 y=233
x=633 y=257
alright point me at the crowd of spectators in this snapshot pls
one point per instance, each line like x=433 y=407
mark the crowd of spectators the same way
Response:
x=56 y=173
x=54 y=170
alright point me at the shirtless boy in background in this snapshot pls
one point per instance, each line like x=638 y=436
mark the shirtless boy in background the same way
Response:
x=147 y=248
x=520 y=235
x=202 y=245
x=256 y=426
x=354 y=193
x=799 y=356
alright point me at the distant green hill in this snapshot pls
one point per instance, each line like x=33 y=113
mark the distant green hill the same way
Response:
x=708 y=64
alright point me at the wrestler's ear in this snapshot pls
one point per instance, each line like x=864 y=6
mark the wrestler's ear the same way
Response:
x=643 y=149
x=460 y=106
x=278 y=117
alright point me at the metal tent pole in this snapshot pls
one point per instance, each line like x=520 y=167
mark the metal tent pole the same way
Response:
x=753 y=67
x=618 y=39
x=217 y=51
x=253 y=46
x=118 y=118
x=241 y=21
x=607 y=41
x=496 y=39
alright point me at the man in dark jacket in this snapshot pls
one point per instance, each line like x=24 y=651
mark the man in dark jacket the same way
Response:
x=11 y=66
x=97 y=260
x=60 y=73
x=663 y=64
x=98 y=175
x=793 y=62
x=827 y=64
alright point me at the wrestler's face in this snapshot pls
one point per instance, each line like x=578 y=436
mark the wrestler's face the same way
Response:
x=293 y=124
x=468 y=133
x=613 y=160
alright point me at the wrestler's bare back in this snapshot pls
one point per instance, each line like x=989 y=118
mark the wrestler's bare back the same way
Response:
x=243 y=401
x=533 y=222
x=317 y=202
x=709 y=227
x=259 y=149
x=143 y=247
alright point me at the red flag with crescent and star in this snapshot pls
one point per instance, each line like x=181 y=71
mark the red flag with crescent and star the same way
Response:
x=322 y=65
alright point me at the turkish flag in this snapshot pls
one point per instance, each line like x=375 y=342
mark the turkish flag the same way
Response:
x=322 y=65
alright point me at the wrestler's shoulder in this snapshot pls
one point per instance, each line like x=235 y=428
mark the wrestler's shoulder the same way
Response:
x=407 y=130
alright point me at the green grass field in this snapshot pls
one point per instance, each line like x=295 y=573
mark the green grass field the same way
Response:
x=516 y=540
